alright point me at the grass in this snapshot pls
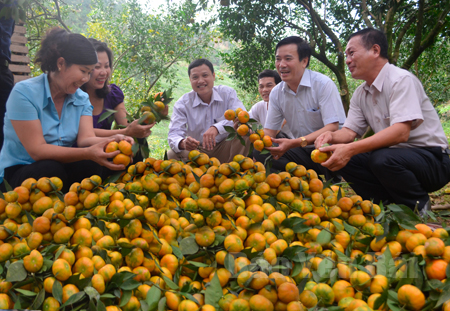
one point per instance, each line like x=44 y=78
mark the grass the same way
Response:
x=158 y=139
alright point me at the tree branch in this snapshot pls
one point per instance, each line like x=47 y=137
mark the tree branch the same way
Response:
x=365 y=13
x=428 y=41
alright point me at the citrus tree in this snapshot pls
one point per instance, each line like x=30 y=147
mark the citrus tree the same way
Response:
x=146 y=45
x=411 y=26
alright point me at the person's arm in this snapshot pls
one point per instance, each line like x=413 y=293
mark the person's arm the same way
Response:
x=285 y=144
x=134 y=129
x=32 y=138
x=342 y=153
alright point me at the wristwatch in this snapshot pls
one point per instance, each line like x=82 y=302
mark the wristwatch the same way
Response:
x=304 y=143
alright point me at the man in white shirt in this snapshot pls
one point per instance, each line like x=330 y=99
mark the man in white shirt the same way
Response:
x=267 y=80
x=407 y=157
x=198 y=117
x=308 y=100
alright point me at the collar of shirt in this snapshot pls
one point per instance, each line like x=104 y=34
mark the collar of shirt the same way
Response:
x=70 y=99
x=379 y=80
x=305 y=81
x=215 y=97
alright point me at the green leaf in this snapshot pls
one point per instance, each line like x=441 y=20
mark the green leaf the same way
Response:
x=153 y=296
x=198 y=264
x=350 y=229
x=229 y=129
x=91 y=292
x=26 y=292
x=386 y=264
x=229 y=263
x=177 y=252
x=126 y=295
x=324 y=237
x=7 y=185
x=39 y=300
x=162 y=304
x=169 y=282
x=106 y=114
x=213 y=292
x=73 y=299
x=30 y=219
x=57 y=291
x=130 y=285
x=188 y=246
x=16 y=272
x=113 y=178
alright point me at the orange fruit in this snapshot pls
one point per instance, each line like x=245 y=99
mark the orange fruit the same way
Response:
x=415 y=240
x=50 y=304
x=288 y=292
x=258 y=145
x=68 y=291
x=436 y=269
x=243 y=116
x=360 y=280
x=318 y=156
x=324 y=293
x=308 y=299
x=122 y=159
x=260 y=303
x=342 y=289
x=125 y=147
x=229 y=114
x=411 y=297
x=242 y=129
x=111 y=147
x=434 y=247
x=33 y=262
x=61 y=269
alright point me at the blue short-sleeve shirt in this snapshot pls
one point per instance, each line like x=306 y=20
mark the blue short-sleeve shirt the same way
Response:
x=31 y=100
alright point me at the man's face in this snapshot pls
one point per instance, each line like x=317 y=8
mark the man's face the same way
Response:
x=266 y=85
x=358 y=59
x=202 y=81
x=288 y=65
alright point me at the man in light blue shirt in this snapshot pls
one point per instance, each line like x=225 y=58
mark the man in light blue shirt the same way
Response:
x=308 y=100
x=198 y=117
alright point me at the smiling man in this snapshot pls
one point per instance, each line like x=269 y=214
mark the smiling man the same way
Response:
x=308 y=101
x=407 y=157
x=198 y=117
x=267 y=80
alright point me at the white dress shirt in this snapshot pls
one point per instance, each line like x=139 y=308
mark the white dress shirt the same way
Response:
x=396 y=96
x=315 y=104
x=192 y=117
x=259 y=113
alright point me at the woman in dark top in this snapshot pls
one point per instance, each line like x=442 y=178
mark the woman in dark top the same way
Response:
x=105 y=96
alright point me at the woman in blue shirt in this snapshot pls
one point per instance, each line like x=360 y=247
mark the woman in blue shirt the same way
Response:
x=47 y=114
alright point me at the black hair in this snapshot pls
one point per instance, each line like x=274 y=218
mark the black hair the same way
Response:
x=198 y=63
x=303 y=48
x=73 y=47
x=370 y=37
x=100 y=46
x=267 y=73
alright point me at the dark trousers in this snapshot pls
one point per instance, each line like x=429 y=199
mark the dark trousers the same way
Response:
x=67 y=172
x=398 y=175
x=300 y=156
x=6 y=85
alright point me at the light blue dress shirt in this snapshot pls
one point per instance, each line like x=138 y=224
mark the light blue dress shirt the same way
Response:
x=192 y=117
x=31 y=100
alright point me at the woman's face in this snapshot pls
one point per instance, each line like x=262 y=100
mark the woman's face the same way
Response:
x=71 y=78
x=101 y=72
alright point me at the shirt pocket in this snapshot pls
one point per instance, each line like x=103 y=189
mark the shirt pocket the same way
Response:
x=314 y=118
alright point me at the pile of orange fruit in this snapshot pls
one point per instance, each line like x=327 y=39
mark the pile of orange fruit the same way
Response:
x=207 y=236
